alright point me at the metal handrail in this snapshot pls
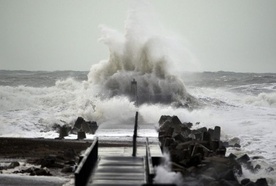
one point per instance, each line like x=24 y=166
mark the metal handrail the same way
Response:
x=87 y=164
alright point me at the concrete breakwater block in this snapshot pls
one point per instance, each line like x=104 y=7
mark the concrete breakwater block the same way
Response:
x=86 y=126
x=199 y=154
x=89 y=127
x=81 y=135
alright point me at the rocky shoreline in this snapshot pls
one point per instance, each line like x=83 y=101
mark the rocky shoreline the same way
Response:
x=40 y=157
x=199 y=155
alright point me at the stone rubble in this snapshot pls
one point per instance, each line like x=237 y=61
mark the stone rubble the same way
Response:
x=199 y=154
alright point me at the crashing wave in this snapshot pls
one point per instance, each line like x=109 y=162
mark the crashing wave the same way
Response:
x=141 y=55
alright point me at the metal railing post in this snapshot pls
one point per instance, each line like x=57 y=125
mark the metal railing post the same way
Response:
x=135 y=135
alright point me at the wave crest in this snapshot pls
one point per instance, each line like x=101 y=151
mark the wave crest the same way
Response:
x=144 y=54
x=262 y=99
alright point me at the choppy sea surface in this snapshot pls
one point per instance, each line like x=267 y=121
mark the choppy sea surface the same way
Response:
x=243 y=104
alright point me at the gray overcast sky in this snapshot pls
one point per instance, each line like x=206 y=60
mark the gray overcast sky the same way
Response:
x=233 y=35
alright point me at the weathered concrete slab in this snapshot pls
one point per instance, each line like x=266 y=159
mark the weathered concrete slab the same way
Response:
x=121 y=151
x=119 y=170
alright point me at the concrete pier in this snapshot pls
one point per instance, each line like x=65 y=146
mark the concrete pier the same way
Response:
x=116 y=165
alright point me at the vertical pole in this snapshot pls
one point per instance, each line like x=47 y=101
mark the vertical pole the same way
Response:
x=134 y=91
x=135 y=135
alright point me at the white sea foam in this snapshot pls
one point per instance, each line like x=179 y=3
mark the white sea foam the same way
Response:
x=165 y=175
x=262 y=99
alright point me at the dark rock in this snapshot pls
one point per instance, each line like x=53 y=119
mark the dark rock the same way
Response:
x=211 y=132
x=165 y=126
x=64 y=131
x=200 y=130
x=67 y=169
x=13 y=164
x=257 y=168
x=78 y=123
x=237 y=168
x=214 y=145
x=40 y=172
x=163 y=118
x=269 y=169
x=214 y=183
x=171 y=127
x=33 y=171
x=168 y=142
x=229 y=175
x=237 y=145
x=93 y=127
x=198 y=136
x=184 y=128
x=200 y=155
x=50 y=162
x=176 y=155
x=188 y=125
x=86 y=126
x=178 y=168
x=225 y=144
x=185 y=133
x=261 y=182
x=194 y=160
x=228 y=183
x=169 y=132
x=176 y=121
x=221 y=151
x=250 y=183
x=206 y=136
x=232 y=156
x=205 y=180
x=211 y=172
x=191 y=137
x=243 y=159
x=56 y=127
x=257 y=157
x=234 y=141
x=180 y=138
x=245 y=181
x=198 y=150
x=216 y=134
x=81 y=135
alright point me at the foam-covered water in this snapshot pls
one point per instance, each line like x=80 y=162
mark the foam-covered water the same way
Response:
x=243 y=104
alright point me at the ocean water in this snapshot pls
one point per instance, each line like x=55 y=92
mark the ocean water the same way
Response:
x=243 y=104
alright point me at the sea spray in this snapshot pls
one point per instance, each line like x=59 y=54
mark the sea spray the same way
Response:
x=164 y=175
x=143 y=53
